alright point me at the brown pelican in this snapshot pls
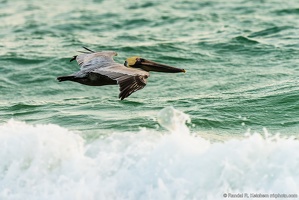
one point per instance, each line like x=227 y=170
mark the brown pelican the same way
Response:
x=99 y=68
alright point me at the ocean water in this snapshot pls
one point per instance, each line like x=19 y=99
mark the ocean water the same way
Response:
x=230 y=124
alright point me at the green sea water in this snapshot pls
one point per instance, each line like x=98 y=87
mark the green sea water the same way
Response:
x=66 y=140
x=241 y=59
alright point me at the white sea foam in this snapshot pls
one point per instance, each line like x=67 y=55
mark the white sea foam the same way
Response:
x=50 y=162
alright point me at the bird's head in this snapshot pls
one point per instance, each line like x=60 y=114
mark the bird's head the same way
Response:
x=147 y=65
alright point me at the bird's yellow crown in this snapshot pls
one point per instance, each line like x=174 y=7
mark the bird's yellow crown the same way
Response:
x=132 y=61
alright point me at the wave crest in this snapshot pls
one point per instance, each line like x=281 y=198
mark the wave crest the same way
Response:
x=50 y=162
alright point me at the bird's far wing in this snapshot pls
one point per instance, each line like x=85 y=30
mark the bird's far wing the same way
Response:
x=91 y=58
x=129 y=80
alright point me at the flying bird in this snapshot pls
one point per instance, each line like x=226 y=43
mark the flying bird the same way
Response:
x=99 y=68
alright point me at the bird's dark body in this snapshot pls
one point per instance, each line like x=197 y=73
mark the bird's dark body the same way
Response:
x=91 y=79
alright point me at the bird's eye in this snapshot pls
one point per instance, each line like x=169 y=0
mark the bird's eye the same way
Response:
x=126 y=64
x=139 y=61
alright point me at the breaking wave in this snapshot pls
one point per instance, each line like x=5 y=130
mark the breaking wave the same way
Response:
x=51 y=162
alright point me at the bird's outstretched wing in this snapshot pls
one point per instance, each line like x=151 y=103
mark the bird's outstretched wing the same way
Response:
x=94 y=59
x=129 y=80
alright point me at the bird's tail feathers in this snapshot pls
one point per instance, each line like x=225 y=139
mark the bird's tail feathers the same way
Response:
x=65 y=78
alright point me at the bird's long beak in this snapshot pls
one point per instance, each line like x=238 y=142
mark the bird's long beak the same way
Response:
x=148 y=65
